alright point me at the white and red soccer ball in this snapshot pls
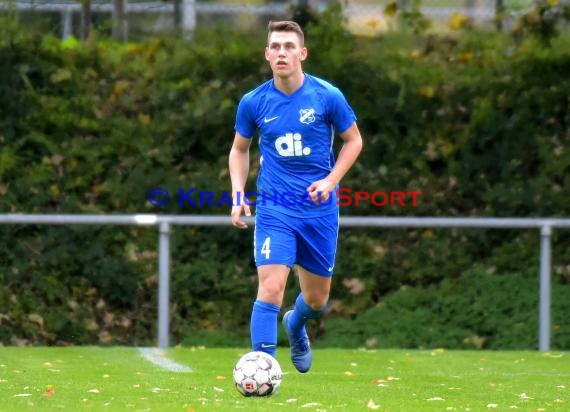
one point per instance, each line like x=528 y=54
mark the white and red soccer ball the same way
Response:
x=257 y=374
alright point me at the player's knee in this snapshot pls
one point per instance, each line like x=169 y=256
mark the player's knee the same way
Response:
x=317 y=303
x=271 y=292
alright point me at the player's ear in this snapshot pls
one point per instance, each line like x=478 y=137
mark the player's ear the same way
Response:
x=266 y=53
x=303 y=53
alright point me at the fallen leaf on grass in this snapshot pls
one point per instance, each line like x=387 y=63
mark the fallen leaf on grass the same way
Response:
x=308 y=405
x=218 y=389
x=492 y=405
x=435 y=398
x=291 y=400
x=348 y=373
x=50 y=391
x=94 y=390
x=19 y=395
x=372 y=405
x=524 y=396
x=220 y=378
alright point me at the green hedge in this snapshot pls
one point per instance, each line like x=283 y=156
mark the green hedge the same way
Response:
x=479 y=310
x=477 y=121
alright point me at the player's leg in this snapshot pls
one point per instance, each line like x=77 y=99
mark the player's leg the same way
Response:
x=266 y=308
x=310 y=304
x=274 y=245
x=316 y=255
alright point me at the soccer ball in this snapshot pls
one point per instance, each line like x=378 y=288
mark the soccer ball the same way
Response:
x=257 y=374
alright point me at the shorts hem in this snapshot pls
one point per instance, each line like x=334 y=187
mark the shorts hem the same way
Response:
x=289 y=265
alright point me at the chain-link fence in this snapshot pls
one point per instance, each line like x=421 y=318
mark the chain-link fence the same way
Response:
x=124 y=19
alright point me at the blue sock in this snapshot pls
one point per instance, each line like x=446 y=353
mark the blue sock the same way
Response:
x=263 y=327
x=301 y=315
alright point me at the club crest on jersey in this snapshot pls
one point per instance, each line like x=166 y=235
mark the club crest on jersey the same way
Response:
x=307 y=116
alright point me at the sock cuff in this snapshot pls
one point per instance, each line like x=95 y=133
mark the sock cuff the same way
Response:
x=307 y=311
x=267 y=306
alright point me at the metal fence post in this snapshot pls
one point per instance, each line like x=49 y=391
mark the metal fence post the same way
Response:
x=544 y=313
x=164 y=285
x=67 y=26
x=120 y=22
x=188 y=18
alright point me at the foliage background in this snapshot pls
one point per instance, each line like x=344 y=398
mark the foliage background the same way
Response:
x=478 y=121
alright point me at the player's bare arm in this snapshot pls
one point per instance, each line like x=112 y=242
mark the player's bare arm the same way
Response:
x=239 y=168
x=320 y=190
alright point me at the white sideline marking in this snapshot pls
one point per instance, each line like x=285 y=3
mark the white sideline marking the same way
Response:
x=158 y=358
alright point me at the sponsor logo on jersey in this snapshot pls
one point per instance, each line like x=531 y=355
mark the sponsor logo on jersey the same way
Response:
x=291 y=145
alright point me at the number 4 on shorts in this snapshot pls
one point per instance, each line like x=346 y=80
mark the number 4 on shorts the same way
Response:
x=265 y=250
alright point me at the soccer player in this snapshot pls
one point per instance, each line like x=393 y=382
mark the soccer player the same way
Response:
x=297 y=216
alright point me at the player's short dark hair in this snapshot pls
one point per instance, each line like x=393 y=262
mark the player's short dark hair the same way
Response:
x=287 y=26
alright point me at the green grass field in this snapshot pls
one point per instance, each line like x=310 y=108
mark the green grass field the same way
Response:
x=122 y=379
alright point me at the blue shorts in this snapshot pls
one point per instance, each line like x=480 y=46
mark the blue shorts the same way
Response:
x=287 y=240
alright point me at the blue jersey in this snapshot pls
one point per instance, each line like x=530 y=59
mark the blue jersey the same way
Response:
x=296 y=142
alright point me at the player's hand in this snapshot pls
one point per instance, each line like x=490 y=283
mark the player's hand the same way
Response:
x=320 y=191
x=236 y=215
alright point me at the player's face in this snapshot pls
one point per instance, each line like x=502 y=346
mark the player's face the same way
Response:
x=285 y=53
